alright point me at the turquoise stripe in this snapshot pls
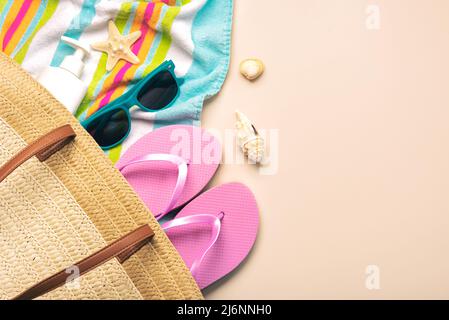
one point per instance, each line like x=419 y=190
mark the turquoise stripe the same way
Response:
x=5 y=12
x=75 y=30
x=31 y=27
x=211 y=34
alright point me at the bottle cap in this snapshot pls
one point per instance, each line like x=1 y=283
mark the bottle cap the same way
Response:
x=74 y=63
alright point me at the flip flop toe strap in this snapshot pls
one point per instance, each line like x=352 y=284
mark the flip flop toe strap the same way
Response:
x=212 y=220
x=180 y=182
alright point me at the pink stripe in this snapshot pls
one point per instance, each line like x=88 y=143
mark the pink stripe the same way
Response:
x=22 y=12
x=135 y=49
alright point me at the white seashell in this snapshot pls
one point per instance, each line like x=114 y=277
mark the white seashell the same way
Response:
x=249 y=140
x=251 y=69
x=255 y=150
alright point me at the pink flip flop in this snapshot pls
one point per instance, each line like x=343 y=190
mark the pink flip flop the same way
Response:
x=215 y=231
x=170 y=166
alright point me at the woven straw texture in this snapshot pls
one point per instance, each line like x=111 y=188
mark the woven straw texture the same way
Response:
x=81 y=172
x=44 y=230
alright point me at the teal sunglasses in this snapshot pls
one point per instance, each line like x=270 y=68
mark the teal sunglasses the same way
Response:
x=111 y=125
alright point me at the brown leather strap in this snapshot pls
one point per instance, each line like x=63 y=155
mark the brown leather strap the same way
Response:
x=121 y=248
x=42 y=148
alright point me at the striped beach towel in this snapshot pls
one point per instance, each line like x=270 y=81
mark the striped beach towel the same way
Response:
x=195 y=34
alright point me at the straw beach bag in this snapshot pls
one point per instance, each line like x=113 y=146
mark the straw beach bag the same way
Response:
x=70 y=225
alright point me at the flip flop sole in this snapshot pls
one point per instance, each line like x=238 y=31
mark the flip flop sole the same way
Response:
x=239 y=228
x=154 y=181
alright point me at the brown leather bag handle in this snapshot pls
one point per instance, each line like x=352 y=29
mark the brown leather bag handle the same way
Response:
x=122 y=249
x=43 y=148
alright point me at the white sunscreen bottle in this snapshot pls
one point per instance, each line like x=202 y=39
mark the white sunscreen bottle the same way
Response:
x=64 y=81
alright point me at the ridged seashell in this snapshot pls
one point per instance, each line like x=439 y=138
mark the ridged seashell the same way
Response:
x=252 y=69
x=249 y=140
x=255 y=149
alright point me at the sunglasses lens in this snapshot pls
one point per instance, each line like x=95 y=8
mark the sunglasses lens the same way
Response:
x=159 y=91
x=109 y=128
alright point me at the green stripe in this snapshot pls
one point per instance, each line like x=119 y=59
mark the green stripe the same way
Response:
x=114 y=153
x=159 y=57
x=166 y=39
x=3 y=4
x=49 y=11
x=120 y=21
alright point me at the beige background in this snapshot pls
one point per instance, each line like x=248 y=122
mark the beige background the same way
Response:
x=363 y=172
